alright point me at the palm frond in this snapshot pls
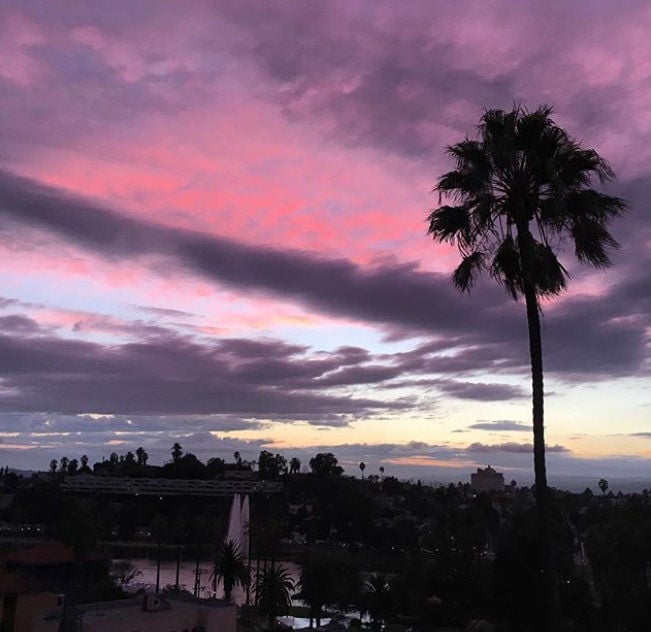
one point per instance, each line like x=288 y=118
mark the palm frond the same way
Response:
x=505 y=267
x=463 y=277
x=449 y=223
x=595 y=205
x=522 y=174
x=460 y=184
x=549 y=275
x=592 y=242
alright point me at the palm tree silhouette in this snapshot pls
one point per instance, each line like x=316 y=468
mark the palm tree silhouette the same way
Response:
x=230 y=567
x=177 y=452
x=518 y=191
x=273 y=587
x=318 y=586
x=376 y=598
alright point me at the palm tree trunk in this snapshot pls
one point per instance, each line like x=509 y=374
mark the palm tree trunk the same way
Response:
x=158 y=548
x=178 y=566
x=549 y=621
x=535 y=353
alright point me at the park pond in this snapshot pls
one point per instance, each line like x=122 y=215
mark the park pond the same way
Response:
x=146 y=580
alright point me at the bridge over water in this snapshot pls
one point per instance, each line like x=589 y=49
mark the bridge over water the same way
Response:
x=167 y=486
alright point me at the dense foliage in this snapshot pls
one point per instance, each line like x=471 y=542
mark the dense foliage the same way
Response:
x=405 y=554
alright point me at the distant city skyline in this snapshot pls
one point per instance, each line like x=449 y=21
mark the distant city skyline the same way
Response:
x=213 y=225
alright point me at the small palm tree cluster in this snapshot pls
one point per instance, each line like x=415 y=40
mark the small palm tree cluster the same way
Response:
x=273 y=585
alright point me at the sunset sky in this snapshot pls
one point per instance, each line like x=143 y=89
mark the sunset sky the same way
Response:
x=213 y=232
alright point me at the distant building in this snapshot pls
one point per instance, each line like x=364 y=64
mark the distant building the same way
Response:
x=487 y=480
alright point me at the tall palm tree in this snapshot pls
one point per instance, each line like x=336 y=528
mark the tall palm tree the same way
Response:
x=274 y=586
x=230 y=567
x=518 y=191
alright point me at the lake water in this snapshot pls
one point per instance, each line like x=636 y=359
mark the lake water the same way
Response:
x=147 y=581
x=147 y=577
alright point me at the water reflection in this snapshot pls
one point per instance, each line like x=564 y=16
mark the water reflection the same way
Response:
x=147 y=577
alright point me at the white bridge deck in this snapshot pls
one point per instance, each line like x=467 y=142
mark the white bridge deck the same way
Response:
x=167 y=486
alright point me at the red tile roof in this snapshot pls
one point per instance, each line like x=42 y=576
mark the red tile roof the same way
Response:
x=47 y=553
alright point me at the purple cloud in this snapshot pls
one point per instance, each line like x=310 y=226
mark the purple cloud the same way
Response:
x=608 y=341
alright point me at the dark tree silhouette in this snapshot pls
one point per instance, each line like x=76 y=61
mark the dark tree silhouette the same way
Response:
x=362 y=467
x=376 y=598
x=73 y=467
x=294 y=465
x=518 y=191
x=603 y=485
x=230 y=567
x=325 y=464
x=318 y=586
x=270 y=465
x=84 y=464
x=141 y=456
x=177 y=452
x=273 y=587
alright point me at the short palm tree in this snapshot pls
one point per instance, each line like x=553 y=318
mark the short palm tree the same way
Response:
x=230 y=567
x=376 y=598
x=318 y=586
x=273 y=587
x=517 y=192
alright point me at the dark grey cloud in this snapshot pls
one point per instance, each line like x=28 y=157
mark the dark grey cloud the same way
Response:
x=168 y=375
x=136 y=427
x=583 y=337
x=518 y=448
x=17 y=323
x=501 y=426
x=480 y=391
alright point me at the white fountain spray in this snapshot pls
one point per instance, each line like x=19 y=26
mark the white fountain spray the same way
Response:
x=238 y=524
x=235 y=522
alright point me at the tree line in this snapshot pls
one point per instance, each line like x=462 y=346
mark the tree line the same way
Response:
x=183 y=464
